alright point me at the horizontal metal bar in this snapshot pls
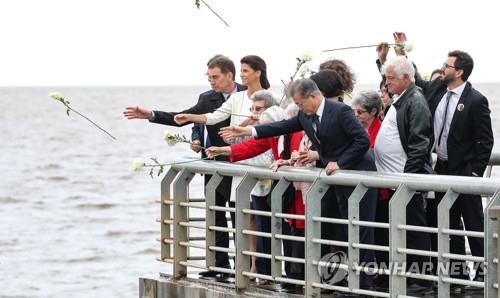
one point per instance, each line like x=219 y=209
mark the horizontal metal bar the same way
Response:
x=464 y=282
x=419 y=276
x=257 y=212
x=331 y=242
x=222 y=249
x=495 y=260
x=373 y=224
x=168 y=241
x=418 y=229
x=290 y=259
x=224 y=209
x=290 y=281
x=463 y=233
x=371 y=246
x=330 y=220
x=257 y=275
x=331 y=265
x=196 y=200
x=192 y=205
x=192 y=225
x=168 y=202
x=256 y=254
x=292 y=238
x=463 y=258
x=288 y=215
x=165 y=260
x=191 y=264
x=189 y=244
x=222 y=229
x=196 y=258
x=417 y=252
x=255 y=233
x=221 y=269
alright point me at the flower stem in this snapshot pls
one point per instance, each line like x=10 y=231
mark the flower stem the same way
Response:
x=213 y=11
x=70 y=108
x=358 y=47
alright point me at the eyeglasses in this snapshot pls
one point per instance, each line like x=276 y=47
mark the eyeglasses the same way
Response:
x=360 y=112
x=257 y=109
x=445 y=65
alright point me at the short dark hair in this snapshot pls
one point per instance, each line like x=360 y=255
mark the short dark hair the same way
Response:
x=343 y=70
x=464 y=62
x=302 y=88
x=257 y=63
x=223 y=63
x=436 y=71
x=329 y=83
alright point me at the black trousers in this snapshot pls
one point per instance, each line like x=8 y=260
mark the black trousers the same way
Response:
x=222 y=195
x=262 y=224
x=334 y=204
x=416 y=216
x=294 y=249
x=470 y=209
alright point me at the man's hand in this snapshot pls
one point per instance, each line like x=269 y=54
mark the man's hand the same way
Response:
x=251 y=120
x=306 y=157
x=382 y=51
x=181 y=118
x=196 y=146
x=136 y=113
x=399 y=39
x=233 y=131
x=331 y=167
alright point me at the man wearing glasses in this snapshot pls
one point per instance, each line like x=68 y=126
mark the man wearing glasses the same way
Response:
x=463 y=143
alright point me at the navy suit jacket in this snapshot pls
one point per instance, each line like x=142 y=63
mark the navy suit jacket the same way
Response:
x=342 y=138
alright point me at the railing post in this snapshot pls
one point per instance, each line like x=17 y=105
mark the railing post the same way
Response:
x=313 y=230
x=492 y=246
x=181 y=214
x=165 y=214
x=243 y=222
x=443 y=240
x=276 y=228
x=353 y=234
x=397 y=239
x=210 y=193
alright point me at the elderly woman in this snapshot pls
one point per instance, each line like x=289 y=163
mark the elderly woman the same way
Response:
x=367 y=106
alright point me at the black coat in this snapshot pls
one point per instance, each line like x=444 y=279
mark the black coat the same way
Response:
x=470 y=139
x=208 y=102
x=342 y=138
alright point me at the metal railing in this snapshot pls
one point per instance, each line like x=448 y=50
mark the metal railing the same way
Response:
x=175 y=247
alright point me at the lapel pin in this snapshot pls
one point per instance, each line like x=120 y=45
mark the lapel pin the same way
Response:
x=460 y=107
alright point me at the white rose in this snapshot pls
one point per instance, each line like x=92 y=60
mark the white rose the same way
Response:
x=425 y=75
x=137 y=164
x=307 y=57
x=408 y=46
x=169 y=138
x=304 y=70
x=57 y=96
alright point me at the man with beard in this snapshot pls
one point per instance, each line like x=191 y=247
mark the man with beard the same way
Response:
x=463 y=143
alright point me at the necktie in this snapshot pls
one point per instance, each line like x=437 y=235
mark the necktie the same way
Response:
x=443 y=124
x=317 y=124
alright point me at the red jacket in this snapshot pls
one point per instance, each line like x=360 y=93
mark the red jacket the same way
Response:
x=253 y=147
x=373 y=131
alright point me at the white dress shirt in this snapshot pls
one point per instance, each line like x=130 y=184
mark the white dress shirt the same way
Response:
x=442 y=148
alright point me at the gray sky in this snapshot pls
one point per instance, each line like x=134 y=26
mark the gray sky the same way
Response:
x=167 y=42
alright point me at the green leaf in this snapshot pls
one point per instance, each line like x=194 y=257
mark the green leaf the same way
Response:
x=67 y=112
x=197 y=3
x=151 y=173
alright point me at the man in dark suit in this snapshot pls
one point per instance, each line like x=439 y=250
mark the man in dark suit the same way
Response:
x=342 y=143
x=463 y=143
x=221 y=72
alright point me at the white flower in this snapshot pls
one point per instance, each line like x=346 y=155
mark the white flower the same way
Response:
x=57 y=96
x=425 y=75
x=137 y=164
x=170 y=138
x=408 y=46
x=304 y=70
x=307 y=56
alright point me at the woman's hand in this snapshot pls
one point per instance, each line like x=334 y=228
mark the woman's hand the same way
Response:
x=216 y=151
x=306 y=157
x=278 y=163
x=231 y=132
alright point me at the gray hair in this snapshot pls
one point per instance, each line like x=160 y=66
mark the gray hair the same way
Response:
x=368 y=99
x=303 y=88
x=401 y=66
x=266 y=96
